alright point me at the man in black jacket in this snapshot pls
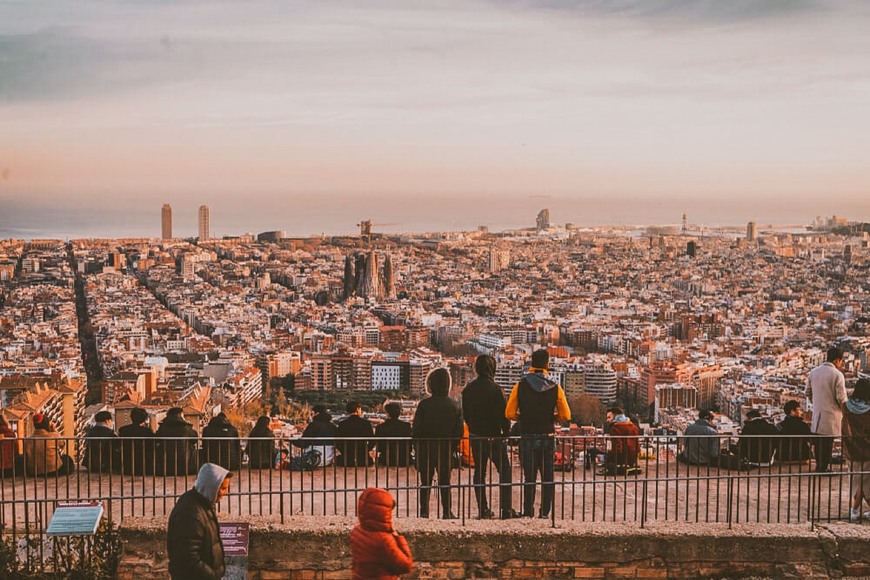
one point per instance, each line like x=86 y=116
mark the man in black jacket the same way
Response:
x=394 y=453
x=194 y=540
x=319 y=436
x=437 y=429
x=102 y=453
x=483 y=405
x=794 y=448
x=758 y=440
x=354 y=453
x=176 y=440
x=221 y=444
x=137 y=445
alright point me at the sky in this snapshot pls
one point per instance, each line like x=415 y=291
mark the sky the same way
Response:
x=466 y=112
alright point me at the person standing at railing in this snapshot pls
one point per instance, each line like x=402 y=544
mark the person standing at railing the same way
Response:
x=377 y=550
x=701 y=444
x=483 y=406
x=856 y=446
x=43 y=450
x=796 y=446
x=221 y=444
x=261 y=445
x=437 y=429
x=193 y=538
x=354 y=450
x=176 y=445
x=536 y=402
x=8 y=448
x=394 y=453
x=102 y=453
x=137 y=444
x=826 y=389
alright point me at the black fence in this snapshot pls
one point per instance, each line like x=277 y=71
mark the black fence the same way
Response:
x=590 y=479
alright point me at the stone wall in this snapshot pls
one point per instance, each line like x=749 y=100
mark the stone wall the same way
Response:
x=318 y=548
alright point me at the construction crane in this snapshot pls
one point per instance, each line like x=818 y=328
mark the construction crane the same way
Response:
x=365 y=229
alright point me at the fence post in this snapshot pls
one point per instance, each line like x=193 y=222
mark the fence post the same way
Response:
x=730 y=495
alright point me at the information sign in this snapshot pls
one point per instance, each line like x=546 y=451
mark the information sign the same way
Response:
x=75 y=519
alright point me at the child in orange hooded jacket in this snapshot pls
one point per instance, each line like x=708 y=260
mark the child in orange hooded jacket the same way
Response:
x=377 y=550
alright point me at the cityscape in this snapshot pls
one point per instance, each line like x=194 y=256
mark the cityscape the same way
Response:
x=590 y=278
x=664 y=321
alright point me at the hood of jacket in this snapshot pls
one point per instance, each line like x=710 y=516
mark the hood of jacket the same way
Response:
x=209 y=480
x=540 y=382
x=375 y=510
x=857 y=406
x=174 y=420
x=484 y=366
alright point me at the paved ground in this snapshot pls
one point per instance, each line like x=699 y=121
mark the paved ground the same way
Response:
x=664 y=491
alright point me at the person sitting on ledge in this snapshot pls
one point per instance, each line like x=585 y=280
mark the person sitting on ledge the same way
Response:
x=794 y=449
x=42 y=450
x=701 y=446
x=621 y=457
x=353 y=452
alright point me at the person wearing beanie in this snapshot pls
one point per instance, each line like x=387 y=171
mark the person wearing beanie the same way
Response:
x=43 y=451
x=536 y=402
x=193 y=539
x=102 y=453
x=436 y=430
x=394 y=453
x=376 y=548
x=483 y=406
x=137 y=444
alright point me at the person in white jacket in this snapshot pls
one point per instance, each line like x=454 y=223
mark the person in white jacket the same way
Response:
x=826 y=389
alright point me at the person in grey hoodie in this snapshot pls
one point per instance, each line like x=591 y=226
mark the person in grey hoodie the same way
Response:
x=193 y=540
x=856 y=446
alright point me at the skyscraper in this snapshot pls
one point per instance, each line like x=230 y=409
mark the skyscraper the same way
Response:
x=166 y=221
x=204 y=223
x=543 y=220
x=751 y=231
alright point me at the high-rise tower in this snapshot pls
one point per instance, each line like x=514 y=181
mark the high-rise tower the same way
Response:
x=204 y=223
x=166 y=221
x=751 y=231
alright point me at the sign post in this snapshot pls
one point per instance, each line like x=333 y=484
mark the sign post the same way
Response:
x=234 y=537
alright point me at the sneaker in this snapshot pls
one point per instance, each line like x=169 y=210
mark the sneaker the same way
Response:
x=486 y=514
x=509 y=514
x=449 y=516
x=855 y=514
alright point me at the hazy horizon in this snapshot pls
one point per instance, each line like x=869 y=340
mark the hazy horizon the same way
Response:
x=631 y=111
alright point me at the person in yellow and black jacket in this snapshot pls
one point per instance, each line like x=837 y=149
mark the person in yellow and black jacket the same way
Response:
x=537 y=403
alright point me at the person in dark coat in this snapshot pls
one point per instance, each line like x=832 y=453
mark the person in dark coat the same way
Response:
x=794 y=448
x=9 y=457
x=193 y=539
x=319 y=435
x=137 y=444
x=102 y=452
x=394 y=453
x=376 y=548
x=856 y=447
x=437 y=429
x=758 y=450
x=176 y=445
x=221 y=444
x=261 y=445
x=354 y=453
x=483 y=405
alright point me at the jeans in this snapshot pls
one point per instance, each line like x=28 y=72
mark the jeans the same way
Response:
x=483 y=451
x=537 y=452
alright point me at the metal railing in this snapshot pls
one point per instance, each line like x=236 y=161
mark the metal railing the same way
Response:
x=602 y=478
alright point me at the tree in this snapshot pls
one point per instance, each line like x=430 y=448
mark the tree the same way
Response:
x=586 y=409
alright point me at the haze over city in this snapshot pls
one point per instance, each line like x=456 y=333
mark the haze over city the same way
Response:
x=309 y=117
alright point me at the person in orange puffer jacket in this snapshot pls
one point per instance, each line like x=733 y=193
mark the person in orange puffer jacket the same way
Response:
x=377 y=550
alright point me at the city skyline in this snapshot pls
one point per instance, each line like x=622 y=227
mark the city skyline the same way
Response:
x=649 y=104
